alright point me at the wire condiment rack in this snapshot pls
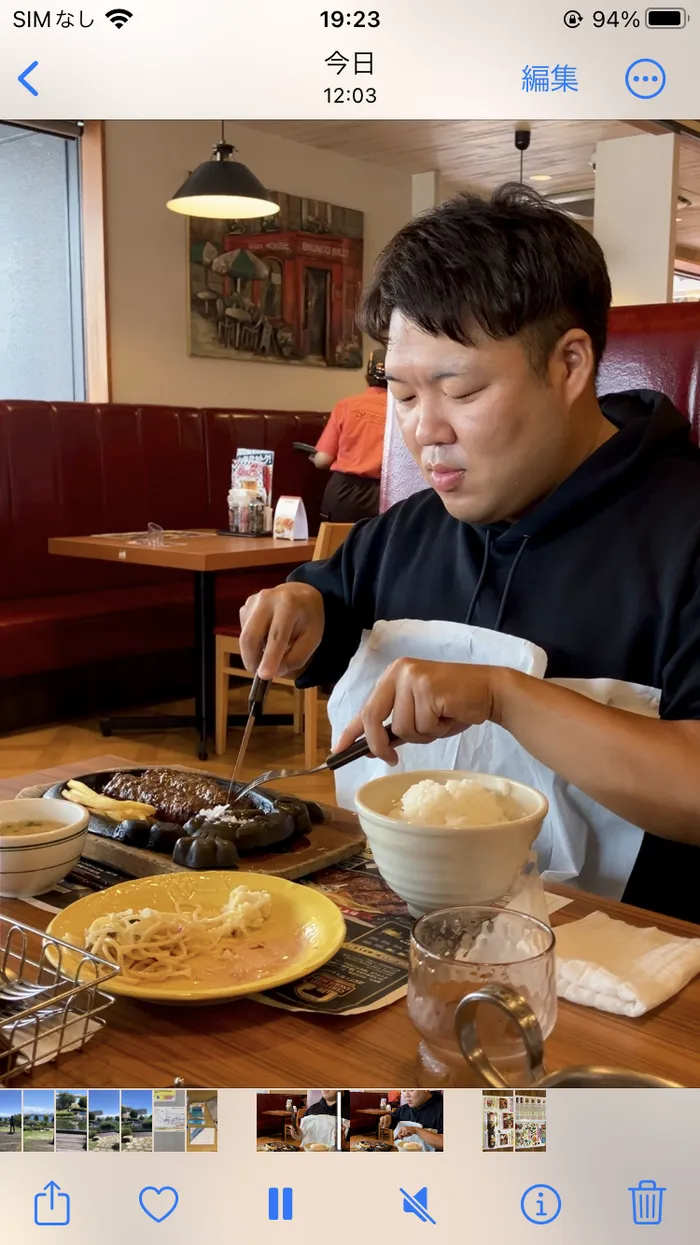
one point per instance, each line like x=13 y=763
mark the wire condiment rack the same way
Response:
x=51 y=997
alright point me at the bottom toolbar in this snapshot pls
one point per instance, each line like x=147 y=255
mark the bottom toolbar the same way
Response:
x=585 y=1164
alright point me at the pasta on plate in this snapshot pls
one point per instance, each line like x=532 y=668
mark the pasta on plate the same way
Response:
x=155 y=946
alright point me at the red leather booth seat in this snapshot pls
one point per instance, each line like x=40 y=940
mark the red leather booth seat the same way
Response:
x=69 y=469
x=655 y=347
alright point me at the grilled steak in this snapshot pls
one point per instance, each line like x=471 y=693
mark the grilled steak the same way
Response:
x=175 y=796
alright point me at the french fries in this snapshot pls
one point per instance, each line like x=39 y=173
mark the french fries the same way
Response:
x=115 y=810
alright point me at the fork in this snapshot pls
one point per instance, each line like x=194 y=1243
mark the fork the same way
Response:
x=334 y=761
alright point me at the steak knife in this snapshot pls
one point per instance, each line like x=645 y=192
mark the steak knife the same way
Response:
x=256 y=702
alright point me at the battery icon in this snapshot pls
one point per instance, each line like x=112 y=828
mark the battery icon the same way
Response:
x=666 y=19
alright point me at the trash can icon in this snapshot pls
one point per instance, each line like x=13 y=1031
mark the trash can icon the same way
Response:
x=647 y=1202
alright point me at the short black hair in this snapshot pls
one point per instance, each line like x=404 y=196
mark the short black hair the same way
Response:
x=512 y=264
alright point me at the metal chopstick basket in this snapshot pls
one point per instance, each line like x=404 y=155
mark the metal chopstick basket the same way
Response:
x=51 y=997
x=523 y=1018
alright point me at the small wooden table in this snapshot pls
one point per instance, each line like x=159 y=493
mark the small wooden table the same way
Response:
x=378 y=1111
x=204 y=555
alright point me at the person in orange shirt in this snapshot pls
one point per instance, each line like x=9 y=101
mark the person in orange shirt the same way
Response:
x=351 y=445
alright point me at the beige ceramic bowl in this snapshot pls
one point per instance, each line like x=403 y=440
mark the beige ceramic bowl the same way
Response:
x=34 y=862
x=434 y=867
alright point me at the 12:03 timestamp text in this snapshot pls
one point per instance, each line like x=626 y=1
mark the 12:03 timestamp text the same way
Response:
x=350 y=95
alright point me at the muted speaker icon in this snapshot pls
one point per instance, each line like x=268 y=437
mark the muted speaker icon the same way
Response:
x=417 y=1204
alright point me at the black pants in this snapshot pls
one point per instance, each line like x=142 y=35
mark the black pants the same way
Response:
x=348 y=498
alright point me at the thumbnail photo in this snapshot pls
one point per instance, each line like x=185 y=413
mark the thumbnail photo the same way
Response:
x=104 y=1120
x=395 y=1119
x=71 y=1120
x=10 y=1121
x=185 y=1120
x=202 y=1120
x=514 y=1120
x=301 y=1119
x=170 y=1120
x=38 y=1121
x=137 y=1120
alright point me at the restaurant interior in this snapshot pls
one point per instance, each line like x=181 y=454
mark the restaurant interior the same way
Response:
x=373 y=1122
x=133 y=371
x=285 y=1121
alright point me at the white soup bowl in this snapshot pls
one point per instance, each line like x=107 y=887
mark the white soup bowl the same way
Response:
x=32 y=863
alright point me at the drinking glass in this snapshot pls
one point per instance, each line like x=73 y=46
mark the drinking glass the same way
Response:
x=155 y=536
x=458 y=950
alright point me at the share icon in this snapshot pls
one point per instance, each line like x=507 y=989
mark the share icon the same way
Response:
x=417 y=1204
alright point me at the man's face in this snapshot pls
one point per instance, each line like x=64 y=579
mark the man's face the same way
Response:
x=329 y=1095
x=489 y=434
x=416 y=1097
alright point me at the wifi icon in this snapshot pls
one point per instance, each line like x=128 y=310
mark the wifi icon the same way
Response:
x=118 y=17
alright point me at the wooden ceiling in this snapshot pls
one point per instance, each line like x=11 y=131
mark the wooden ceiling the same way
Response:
x=479 y=155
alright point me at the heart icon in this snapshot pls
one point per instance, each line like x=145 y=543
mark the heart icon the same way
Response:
x=158 y=1204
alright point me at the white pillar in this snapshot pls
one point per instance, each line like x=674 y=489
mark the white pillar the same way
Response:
x=425 y=192
x=636 y=192
x=429 y=190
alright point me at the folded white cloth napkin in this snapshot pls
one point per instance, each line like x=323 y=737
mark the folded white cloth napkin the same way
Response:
x=318 y=1129
x=619 y=968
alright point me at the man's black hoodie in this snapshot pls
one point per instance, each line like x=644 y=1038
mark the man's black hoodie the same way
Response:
x=604 y=575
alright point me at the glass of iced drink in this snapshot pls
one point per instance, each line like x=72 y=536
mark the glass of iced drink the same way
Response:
x=458 y=950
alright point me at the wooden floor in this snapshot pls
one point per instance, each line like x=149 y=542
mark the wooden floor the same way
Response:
x=270 y=746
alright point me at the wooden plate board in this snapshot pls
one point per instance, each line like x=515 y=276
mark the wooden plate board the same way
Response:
x=334 y=839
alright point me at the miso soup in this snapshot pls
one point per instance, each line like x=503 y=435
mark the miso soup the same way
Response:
x=28 y=825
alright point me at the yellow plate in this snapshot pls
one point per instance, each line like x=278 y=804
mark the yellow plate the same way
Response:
x=302 y=919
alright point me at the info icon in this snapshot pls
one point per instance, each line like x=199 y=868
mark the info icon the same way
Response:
x=540 y=1204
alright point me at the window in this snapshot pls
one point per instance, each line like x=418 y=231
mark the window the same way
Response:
x=686 y=287
x=41 y=298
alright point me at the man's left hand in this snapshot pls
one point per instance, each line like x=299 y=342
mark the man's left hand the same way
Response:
x=424 y=700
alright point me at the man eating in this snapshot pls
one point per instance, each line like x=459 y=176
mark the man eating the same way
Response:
x=327 y=1104
x=419 y=1119
x=569 y=521
x=322 y=1131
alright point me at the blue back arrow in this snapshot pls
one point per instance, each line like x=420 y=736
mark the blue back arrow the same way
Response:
x=25 y=74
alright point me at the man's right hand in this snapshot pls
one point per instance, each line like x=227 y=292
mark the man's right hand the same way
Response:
x=281 y=628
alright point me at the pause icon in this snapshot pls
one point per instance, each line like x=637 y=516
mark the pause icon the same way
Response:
x=274 y=1200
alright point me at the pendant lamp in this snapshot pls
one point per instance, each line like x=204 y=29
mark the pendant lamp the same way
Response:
x=223 y=189
x=522 y=143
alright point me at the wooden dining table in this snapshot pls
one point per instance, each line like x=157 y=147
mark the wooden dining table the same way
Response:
x=204 y=553
x=248 y=1044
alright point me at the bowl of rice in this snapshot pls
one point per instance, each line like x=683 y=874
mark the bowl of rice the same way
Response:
x=444 y=838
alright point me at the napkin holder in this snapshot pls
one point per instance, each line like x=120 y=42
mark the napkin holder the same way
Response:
x=521 y=1015
x=290 y=521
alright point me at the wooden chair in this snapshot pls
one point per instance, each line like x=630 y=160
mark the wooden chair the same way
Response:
x=306 y=704
x=291 y=1131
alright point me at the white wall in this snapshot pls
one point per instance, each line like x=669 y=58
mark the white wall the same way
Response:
x=146 y=254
